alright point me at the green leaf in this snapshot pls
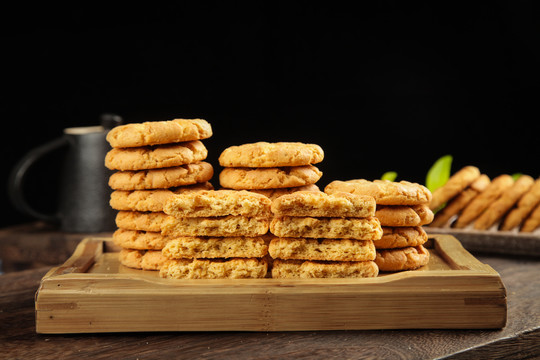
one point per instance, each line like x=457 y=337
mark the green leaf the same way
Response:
x=516 y=176
x=389 y=175
x=439 y=173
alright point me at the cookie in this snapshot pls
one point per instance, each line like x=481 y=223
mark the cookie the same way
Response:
x=400 y=215
x=455 y=184
x=215 y=226
x=399 y=237
x=275 y=193
x=320 y=204
x=322 y=249
x=532 y=222
x=150 y=200
x=236 y=268
x=141 y=259
x=505 y=202
x=264 y=154
x=218 y=203
x=385 y=192
x=269 y=178
x=458 y=203
x=162 y=178
x=155 y=157
x=523 y=208
x=481 y=202
x=300 y=269
x=143 y=221
x=159 y=132
x=139 y=240
x=188 y=247
x=408 y=258
x=331 y=228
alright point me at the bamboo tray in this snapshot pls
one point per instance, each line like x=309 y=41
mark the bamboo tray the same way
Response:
x=91 y=292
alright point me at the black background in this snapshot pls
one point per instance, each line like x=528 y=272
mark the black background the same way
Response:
x=385 y=86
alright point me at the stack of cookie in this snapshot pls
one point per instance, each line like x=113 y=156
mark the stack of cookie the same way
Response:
x=402 y=209
x=153 y=161
x=271 y=169
x=216 y=234
x=323 y=236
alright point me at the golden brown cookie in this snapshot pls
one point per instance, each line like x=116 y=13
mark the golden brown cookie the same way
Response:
x=138 y=220
x=150 y=200
x=455 y=184
x=155 y=157
x=322 y=249
x=385 y=192
x=400 y=215
x=236 y=268
x=162 y=178
x=275 y=193
x=459 y=202
x=399 y=237
x=218 y=203
x=139 y=240
x=505 y=202
x=216 y=226
x=319 y=204
x=189 y=247
x=481 y=202
x=159 y=132
x=408 y=258
x=330 y=228
x=523 y=208
x=141 y=259
x=265 y=154
x=269 y=178
x=300 y=269
x=532 y=222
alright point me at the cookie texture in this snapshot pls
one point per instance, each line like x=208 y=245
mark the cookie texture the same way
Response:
x=216 y=226
x=139 y=240
x=141 y=259
x=400 y=237
x=218 y=203
x=143 y=221
x=268 y=178
x=265 y=154
x=154 y=157
x=455 y=184
x=150 y=200
x=300 y=269
x=236 y=268
x=400 y=215
x=408 y=258
x=524 y=207
x=163 y=178
x=385 y=192
x=159 y=132
x=275 y=193
x=320 y=204
x=331 y=228
x=189 y=247
x=322 y=249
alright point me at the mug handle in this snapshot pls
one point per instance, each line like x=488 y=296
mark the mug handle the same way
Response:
x=15 y=184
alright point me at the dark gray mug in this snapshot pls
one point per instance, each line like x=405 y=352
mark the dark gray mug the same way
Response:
x=85 y=194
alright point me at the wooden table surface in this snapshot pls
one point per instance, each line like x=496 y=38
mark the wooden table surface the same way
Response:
x=519 y=339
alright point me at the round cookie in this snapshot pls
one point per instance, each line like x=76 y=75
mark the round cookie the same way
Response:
x=142 y=221
x=408 y=258
x=504 y=203
x=524 y=207
x=141 y=259
x=155 y=157
x=139 y=240
x=264 y=154
x=400 y=237
x=159 y=132
x=385 y=192
x=481 y=202
x=162 y=178
x=456 y=184
x=399 y=215
x=268 y=178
